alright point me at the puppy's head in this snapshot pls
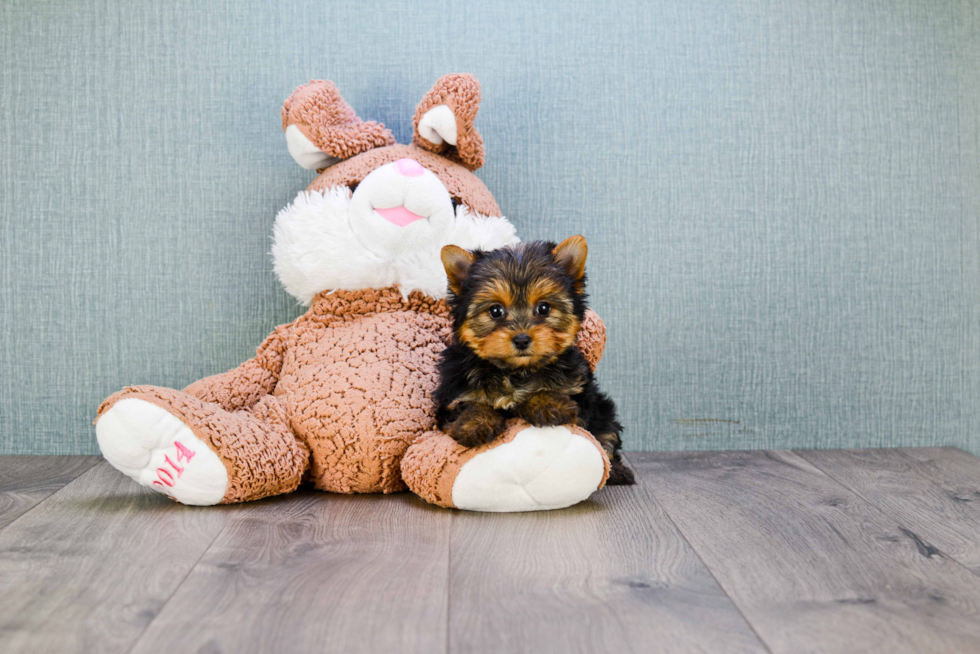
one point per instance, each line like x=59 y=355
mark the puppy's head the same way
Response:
x=521 y=306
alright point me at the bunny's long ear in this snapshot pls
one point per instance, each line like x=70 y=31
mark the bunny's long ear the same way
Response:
x=444 y=120
x=322 y=129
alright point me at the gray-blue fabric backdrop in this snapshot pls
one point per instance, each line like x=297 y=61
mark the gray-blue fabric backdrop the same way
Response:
x=781 y=197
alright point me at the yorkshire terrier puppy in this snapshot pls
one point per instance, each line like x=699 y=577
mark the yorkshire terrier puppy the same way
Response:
x=516 y=314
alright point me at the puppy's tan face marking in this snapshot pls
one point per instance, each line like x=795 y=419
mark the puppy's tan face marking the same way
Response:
x=520 y=320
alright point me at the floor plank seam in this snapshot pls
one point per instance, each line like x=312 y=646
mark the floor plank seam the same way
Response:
x=95 y=463
x=191 y=569
x=653 y=496
x=874 y=505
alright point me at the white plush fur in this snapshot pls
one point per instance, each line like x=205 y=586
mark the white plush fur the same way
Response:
x=542 y=468
x=140 y=440
x=315 y=248
x=304 y=152
x=438 y=125
x=421 y=193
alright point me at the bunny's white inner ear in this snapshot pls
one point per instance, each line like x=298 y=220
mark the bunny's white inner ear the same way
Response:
x=438 y=125
x=302 y=150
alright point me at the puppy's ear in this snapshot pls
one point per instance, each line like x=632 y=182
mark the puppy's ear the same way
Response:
x=457 y=262
x=570 y=255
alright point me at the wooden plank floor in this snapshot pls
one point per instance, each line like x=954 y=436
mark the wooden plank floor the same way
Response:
x=27 y=480
x=811 y=551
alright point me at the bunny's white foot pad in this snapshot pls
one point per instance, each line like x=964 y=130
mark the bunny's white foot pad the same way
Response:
x=541 y=468
x=157 y=450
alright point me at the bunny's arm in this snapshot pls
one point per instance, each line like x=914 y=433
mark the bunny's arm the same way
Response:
x=241 y=387
x=592 y=338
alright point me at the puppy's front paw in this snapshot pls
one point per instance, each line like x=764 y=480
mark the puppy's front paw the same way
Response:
x=549 y=410
x=476 y=425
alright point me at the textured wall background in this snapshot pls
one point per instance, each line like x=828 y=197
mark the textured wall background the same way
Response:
x=781 y=198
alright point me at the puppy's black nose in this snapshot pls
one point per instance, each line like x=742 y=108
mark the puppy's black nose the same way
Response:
x=521 y=341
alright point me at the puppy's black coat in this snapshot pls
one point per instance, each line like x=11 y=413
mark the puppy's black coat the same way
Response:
x=516 y=314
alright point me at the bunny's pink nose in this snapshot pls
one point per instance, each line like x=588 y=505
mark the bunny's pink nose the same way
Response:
x=409 y=167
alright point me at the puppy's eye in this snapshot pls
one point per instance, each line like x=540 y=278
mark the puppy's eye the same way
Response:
x=496 y=312
x=543 y=309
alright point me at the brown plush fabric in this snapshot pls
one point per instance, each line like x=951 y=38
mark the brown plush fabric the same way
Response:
x=592 y=338
x=461 y=93
x=430 y=466
x=330 y=123
x=460 y=182
x=260 y=452
x=357 y=381
x=242 y=387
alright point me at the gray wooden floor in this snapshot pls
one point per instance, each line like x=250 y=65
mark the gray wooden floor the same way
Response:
x=808 y=551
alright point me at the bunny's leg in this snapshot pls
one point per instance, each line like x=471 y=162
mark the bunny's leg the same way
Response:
x=197 y=452
x=525 y=469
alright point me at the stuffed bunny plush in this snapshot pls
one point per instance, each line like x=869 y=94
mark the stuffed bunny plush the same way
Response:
x=341 y=397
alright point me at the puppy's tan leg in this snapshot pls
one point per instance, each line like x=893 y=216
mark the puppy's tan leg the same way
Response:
x=548 y=410
x=476 y=424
